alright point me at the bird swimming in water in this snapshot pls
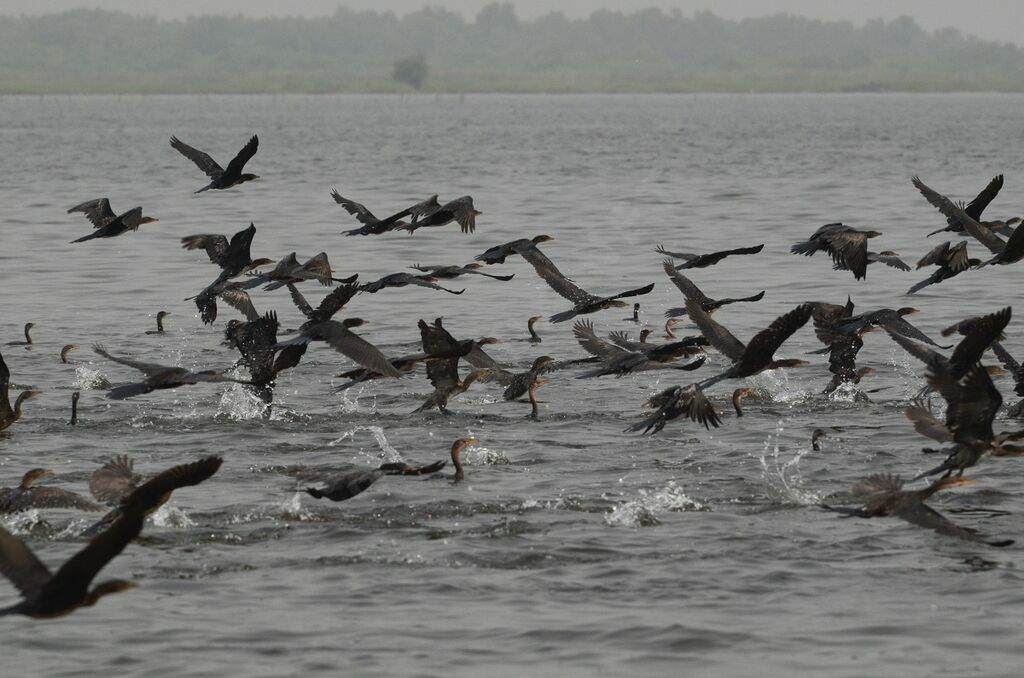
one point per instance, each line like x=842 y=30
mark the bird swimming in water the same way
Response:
x=220 y=178
x=106 y=223
x=64 y=352
x=816 y=437
x=848 y=247
x=669 y=324
x=884 y=496
x=28 y=336
x=737 y=399
x=532 y=394
x=348 y=485
x=705 y=260
x=159 y=323
x=460 y=210
x=8 y=414
x=371 y=225
x=457 y=447
x=74 y=408
x=534 y=337
x=47 y=595
x=159 y=376
x=691 y=291
x=27 y=496
x=636 y=314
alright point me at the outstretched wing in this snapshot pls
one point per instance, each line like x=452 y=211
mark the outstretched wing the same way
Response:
x=20 y=565
x=978 y=205
x=721 y=338
x=97 y=211
x=202 y=160
x=552 y=276
x=149 y=369
x=215 y=246
x=359 y=211
x=684 y=284
x=955 y=214
x=113 y=481
x=767 y=341
x=244 y=155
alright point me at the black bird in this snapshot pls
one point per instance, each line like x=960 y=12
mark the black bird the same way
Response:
x=159 y=323
x=460 y=210
x=106 y=223
x=74 y=408
x=889 y=319
x=979 y=336
x=256 y=341
x=951 y=261
x=848 y=247
x=289 y=270
x=403 y=279
x=1006 y=252
x=757 y=355
x=64 y=352
x=519 y=384
x=159 y=376
x=973 y=210
x=884 y=496
x=374 y=226
x=233 y=257
x=691 y=291
x=28 y=336
x=8 y=414
x=678 y=401
x=449 y=272
x=443 y=373
x=842 y=345
x=27 y=496
x=220 y=178
x=620 y=360
x=335 y=301
x=342 y=339
x=49 y=595
x=348 y=485
x=583 y=301
x=705 y=260
x=534 y=337
x=888 y=257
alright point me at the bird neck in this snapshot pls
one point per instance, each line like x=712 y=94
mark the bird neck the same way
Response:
x=160 y=324
x=22 y=397
x=534 y=407
x=74 y=411
x=668 y=331
x=28 y=337
x=736 y=404
x=533 y=332
x=457 y=460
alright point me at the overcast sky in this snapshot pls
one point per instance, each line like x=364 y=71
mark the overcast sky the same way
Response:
x=1000 y=20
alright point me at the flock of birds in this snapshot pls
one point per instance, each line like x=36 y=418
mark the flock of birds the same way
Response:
x=964 y=436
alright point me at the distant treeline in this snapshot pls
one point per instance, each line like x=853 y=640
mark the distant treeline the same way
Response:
x=649 y=51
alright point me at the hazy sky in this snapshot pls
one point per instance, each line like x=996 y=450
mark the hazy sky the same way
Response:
x=990 y=19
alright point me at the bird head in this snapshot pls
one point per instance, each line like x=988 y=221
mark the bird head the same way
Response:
x=148 y=220
x=872 y=234
x=67 y=349
x=354 y=322
x=538 y=239
x=163 y=314
x=472 y=266
x=907 y=310
x=34 y=475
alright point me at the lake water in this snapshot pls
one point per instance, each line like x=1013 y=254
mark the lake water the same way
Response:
x=572 y=548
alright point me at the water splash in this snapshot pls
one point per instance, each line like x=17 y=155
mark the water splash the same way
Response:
x=644 y=511
x=910 y=381
x=238 y=403
x=478 y=455
x=847 y=392
x=171 y=516
x=782 y=480
x=775 y=386
x=87 y=379
x=292 y=509
x=23 y=523
x=390 y=453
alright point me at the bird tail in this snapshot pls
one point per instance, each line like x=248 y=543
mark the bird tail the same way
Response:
x=947 y=465
x=563 y=316
x=94 y=234
x=128 y=390
x=938 y=231
x=920 y=286
x=315 y=493
x=676 y=312
x=205 y=188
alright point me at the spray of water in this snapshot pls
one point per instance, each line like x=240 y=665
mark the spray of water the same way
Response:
x=781 y=477
x=645 y=509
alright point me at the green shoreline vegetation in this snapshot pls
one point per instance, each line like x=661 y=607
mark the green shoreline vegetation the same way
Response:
x=102 y=52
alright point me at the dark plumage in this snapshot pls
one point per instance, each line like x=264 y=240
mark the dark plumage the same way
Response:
x=233 y=257
x=28 y=336
x=342 y=339
x=678 y=401
x=26 y=496
x=449 y=272
x=973 y=210
x=403 y=279
x=220 y=178
x=884 y=496
x=106 y=223
x=848 y=247
x=348 y=485
x=519 y=383
x=159 y=323
x=620 y=360
x=891 y=320
x=951 y=261
x=705 y=260
x=691 y=291
x=371 y=225
x=8 y=414
x=443 y=370
x=460 y=210
x=159 y=377
x=47 y=595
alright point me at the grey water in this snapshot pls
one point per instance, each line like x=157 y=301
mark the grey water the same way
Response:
x=572 y=548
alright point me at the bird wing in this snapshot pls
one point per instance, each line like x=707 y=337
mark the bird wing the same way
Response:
x=889 y=260
x=926 y=424
x=464 y=213
x=957 y=260
x=351 y=345
x=922 y=353
x=216 y=246
x=955 y=214
x=767 y=341
x=925 y=516
x=202 y=160
x=132 y=218
x=684 y=284
x=721 y=338
x=150 y=369
x=978 y=205
x=877 y=483
x=319 y=267
x=937 y=256
x=336 y=300
x=20 y=565
x=244 y=155
x=5 y=387
x=552 y=276
x=300 y=301
x=1008 y=361
x=347 y=486
x=1014 y=248
x=660 y=249
x=849 y=250
x=239 y=299
x=424 y=208
x=97 y=211
x=50 y=497
x=583 y=330
x=973 y=401
x=359 y=211
x=114 y=481
x=979 y=337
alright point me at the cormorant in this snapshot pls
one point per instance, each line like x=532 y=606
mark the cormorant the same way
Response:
x=460 y=210
x=884 y=496
x=233 y=257
x=684 y=348
x=159 y=323
x=583 y=301
x=848 y=247
x=757 y=355
x=951 y=261
x=9 y=415
x=534 y=337
x=636 y=315
x=49 y=595
x=159 y=376
x=456 y=453
x=532 y=394
x=520 y=383
x=443 y=373
x=256 y=341
x=691 y=291
x=737 y=399
x=973 y=210
x=677 y=401
x=669 y=324
x=74 y=408
x=889 y=319
x=106 y=223
x=68 y=348
x=374 y=226
x=887 y=257
x=289 y=270
x=28 y=337
x=403 y=279
x=220 y=178
x=342 y=339
x=816 y=437
x=348 y=485
x=26 y=496
x=705 y=260
x=449 y=272
x=619 y=361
